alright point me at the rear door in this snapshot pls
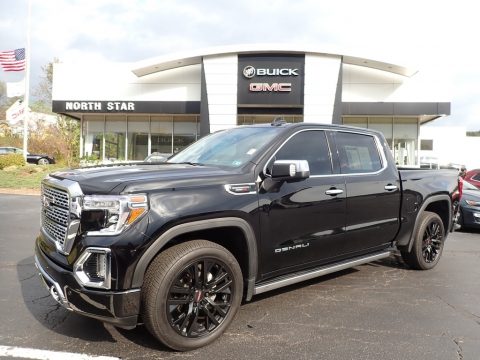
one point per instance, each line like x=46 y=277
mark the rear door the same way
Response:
x=373 y=191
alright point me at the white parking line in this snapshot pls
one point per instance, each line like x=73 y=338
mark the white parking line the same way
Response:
x=27 y=353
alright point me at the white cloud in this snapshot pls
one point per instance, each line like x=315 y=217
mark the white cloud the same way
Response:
x=435 y=37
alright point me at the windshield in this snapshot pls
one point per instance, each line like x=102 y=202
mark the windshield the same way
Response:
x=468 y=186
x=231 y=148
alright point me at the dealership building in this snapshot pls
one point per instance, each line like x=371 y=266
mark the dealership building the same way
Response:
x=128 y=111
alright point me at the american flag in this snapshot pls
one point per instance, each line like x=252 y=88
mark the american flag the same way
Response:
x=13 y=60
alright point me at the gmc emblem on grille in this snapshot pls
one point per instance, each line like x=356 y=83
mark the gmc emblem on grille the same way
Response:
x=46 y=203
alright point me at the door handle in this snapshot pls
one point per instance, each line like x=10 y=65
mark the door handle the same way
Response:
x=333 y=192
x=391 y=187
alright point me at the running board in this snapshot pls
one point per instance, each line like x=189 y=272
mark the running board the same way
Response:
x=302 y=276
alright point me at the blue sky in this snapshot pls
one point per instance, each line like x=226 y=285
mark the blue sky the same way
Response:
x=434 y=37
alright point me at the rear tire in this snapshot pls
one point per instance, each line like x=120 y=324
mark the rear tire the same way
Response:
x=43 y=161
x=428 y=243
x=191 y=294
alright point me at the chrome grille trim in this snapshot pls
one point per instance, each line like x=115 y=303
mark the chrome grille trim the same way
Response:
x=58 y=215
x=60 y=212
x=54 y=230
x=56 y=196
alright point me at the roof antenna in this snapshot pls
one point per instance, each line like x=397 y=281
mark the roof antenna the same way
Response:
x=278 y=121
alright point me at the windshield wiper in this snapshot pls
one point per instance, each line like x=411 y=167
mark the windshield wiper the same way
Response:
x=188 y=163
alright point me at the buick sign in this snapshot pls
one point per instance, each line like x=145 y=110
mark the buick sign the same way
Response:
x=270 y=81
x=250 y=71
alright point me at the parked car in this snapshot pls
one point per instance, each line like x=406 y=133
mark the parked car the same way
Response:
x=31 y=158
x=429 y=162
x=469 y=214
x=473 y=177
x=157 y=157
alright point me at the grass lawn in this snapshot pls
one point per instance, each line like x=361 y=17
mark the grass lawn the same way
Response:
x=26 y=177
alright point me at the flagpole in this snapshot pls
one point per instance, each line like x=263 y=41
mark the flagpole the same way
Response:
x=26 y=99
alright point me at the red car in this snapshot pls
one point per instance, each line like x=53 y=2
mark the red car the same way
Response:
x=473 y=177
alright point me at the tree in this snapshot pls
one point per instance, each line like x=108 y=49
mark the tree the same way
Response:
x=43 y=92
x=63 y=139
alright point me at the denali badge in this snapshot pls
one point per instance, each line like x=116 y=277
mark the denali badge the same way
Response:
x=293 y=247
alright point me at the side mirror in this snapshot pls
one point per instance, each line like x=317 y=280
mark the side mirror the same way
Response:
x=290 y=170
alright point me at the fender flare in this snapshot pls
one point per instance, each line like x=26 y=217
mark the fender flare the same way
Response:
x=181 y=229
x=427 y=202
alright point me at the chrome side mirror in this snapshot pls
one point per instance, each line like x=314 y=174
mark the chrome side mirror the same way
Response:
x=290 y=170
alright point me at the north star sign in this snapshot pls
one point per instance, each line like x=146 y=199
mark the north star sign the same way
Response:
x=99 y=106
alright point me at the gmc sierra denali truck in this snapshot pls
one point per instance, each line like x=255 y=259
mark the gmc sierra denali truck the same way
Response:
x=178 y=245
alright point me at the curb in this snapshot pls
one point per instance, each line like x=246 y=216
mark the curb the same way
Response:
x=20 y=191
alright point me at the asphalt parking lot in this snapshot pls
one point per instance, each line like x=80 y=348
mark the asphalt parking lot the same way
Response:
x=380 y=310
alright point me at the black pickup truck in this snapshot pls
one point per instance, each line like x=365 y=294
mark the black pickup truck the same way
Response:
x=178 y=246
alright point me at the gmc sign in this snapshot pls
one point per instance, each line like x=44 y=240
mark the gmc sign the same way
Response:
x=270 y=80
x=287 y=87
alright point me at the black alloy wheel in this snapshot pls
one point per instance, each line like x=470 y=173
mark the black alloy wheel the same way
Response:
x=432 y=240
x=200 y=298
x=428 y=242
x=191 y=293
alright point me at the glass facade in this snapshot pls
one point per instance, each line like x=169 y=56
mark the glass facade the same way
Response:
x=114 y=137
x=266 y=119
x=133 y=137
x=401 y=134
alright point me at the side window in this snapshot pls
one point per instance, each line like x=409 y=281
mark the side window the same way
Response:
x=311 y=146
x=358 y=153
x=476 y=177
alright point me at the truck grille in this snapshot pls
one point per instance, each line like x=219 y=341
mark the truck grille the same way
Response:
x=56 y=196
x=59 y=223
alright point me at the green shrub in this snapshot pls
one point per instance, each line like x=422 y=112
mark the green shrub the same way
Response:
x=11 y=159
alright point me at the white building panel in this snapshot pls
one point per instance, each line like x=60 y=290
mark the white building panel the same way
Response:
x=117 y=82
x=221 y=71
x=321 y=79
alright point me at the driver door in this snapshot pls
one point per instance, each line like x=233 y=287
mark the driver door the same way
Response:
x=302 y=222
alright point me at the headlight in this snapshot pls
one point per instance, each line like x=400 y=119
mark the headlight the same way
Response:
x=111 y=214
x=472 y=202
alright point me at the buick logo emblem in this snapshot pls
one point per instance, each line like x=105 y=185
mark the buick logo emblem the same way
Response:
x=249 y=71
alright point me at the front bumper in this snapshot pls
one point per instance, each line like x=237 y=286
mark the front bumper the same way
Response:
x=118 y=308
x=471 y=216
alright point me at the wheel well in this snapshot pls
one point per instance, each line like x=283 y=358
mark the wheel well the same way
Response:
x=231 y=238
x=441 y=208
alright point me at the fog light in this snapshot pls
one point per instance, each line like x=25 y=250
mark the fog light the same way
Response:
x=92 y=269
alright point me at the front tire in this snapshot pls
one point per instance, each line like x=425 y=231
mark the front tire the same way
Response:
x=43 y=161
x=191 y=294
x=428 y=243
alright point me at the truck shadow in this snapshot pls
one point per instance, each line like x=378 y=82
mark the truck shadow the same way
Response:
x=52 y=315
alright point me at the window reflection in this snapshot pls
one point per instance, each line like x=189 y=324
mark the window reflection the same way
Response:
x=134 y=137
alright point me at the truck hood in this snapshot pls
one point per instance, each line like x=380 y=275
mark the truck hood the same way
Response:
x=142 y=177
